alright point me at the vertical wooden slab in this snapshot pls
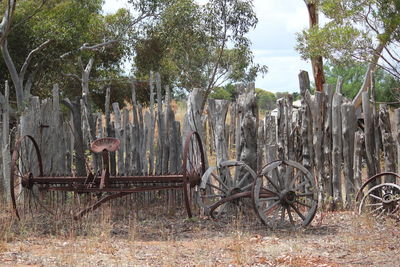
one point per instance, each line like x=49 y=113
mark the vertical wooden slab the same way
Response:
x=337 y=150
x=349 y=126
x=389 y=145
x=6 y=156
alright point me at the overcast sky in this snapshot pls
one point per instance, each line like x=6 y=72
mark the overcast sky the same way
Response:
x=273 y=41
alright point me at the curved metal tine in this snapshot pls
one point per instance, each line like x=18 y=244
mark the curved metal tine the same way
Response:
x=298 y=212
x=40 y=203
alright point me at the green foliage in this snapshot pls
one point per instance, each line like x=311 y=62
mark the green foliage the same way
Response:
x=68 y=24
x=188 y=44
x=265 y=99
x=353 y=73
x=353 y=31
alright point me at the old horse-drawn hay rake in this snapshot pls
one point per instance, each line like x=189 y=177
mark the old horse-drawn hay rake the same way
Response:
x=30 y=185
x=283 y=193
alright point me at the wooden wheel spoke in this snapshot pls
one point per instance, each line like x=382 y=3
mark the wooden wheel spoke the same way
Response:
x=375 y=210
x=290 y=216
x=305 y=194
x=272 y=183
x=283 y=209
x=294 y=179
x=246 y=187
x=271 y=208
x=239 y=184
x=376 y=197
x=268 y=199
x=219 y=180
x=299 y=186
x=303 y=204
x=298 y=212
x=213 y=196
x=216 y=187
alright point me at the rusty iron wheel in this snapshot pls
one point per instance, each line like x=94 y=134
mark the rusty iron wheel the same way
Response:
x=26 y=163
x=223 y=187
x=193 y=167
x=284 y=195
x=381 y=201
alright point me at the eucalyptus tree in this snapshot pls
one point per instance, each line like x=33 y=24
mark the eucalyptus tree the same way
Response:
x=366 y=30
x=43 y=41
x=202 y=46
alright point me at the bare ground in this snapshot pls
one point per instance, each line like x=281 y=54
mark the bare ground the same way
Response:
x=333 y=239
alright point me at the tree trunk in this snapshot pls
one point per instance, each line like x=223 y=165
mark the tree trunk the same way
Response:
x=316 y=62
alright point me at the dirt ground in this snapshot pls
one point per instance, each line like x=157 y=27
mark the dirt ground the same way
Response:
x=333 y=239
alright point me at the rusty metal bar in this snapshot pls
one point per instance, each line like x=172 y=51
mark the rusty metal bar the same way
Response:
x=144 y=179
x=110 y=189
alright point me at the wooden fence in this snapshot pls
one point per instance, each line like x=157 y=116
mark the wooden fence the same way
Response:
x=325 y=134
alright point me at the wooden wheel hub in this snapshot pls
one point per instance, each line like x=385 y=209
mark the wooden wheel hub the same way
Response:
x=288 y=196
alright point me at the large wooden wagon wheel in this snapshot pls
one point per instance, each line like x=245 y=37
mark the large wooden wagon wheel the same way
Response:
x=26 y=163
x=224 y=185
x=382 y=200
x=193 y=167
x=284 y=194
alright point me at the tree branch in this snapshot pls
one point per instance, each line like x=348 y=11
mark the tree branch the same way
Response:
x=74 y=76
x=32 y=15
x=29 y=57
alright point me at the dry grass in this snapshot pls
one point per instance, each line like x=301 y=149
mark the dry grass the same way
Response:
x=151 y=237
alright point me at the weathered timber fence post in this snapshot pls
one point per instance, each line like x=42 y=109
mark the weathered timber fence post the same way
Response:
x=249 y=125
x=358 y=147
x=371 y=156
x=151 y=124
x=397 y=136
x=317 y=108
x=388 y=143
x=79 y=159
x=327 y=144
x=349 y=125
x=160 y=125
x=337 y=149
x=194 y=115
x=217 y=109
x=6 y=156
x=306 y=126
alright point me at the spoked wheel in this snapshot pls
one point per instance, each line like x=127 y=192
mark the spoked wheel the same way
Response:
x=382 y=200
x=284 y=195
x=375 y=180
x=225 y=186
x=193 y=167
x=26 y=163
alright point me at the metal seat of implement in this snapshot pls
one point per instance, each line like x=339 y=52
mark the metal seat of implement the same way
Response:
x=107 y=143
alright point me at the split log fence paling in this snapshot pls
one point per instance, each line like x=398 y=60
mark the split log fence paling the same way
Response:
x=323 y=134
